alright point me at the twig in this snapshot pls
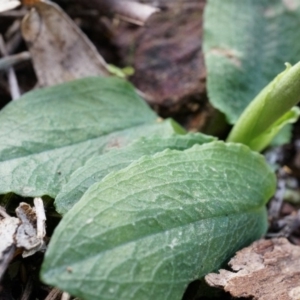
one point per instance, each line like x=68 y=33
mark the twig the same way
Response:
x=40 y=217
x=8 y=61
x=13 y=37
x=13 y=14
x=12 y=78
x=13 y=84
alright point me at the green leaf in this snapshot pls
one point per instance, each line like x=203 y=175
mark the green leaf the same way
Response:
x=98 y=167
x=246 y=44
x=270 y=110
x=264 y=139
x=284 y=136
x=146 y=231
x=49 y=133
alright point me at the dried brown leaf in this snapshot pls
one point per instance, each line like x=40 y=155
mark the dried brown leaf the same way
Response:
x=266 y=270
x=27 y=232
x=31 y=232
x=168 y=59
x=60 y=51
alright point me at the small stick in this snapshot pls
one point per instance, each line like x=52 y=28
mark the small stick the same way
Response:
x=12 y=78
x=13 y=83
x=13 y=37
x=8 y=61
x=13 y=14
x=40 y=217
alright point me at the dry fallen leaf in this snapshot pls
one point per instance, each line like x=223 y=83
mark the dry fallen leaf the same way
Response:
x=27 y=232
x=30 y=234
x=266 y=270
x=8 y=228
x=168 y=59
x=60 y=51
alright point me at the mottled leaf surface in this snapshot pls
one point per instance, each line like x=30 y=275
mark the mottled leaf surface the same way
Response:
x=49 y=133
x=98 y=167
x=246 y=45
x=146 y=231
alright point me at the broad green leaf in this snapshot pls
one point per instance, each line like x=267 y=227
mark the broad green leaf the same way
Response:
x=98 y=167
x=48 y=134
x=146 y=231
x=45 y=173
x=246 y=44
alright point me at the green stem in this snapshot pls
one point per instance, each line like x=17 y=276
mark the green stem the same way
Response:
x=275 y=100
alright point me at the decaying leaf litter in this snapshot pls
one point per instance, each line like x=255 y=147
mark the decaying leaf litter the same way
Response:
x=70 y=70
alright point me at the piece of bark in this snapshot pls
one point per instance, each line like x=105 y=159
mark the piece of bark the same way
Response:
x=59 y=49
x=266 y=270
